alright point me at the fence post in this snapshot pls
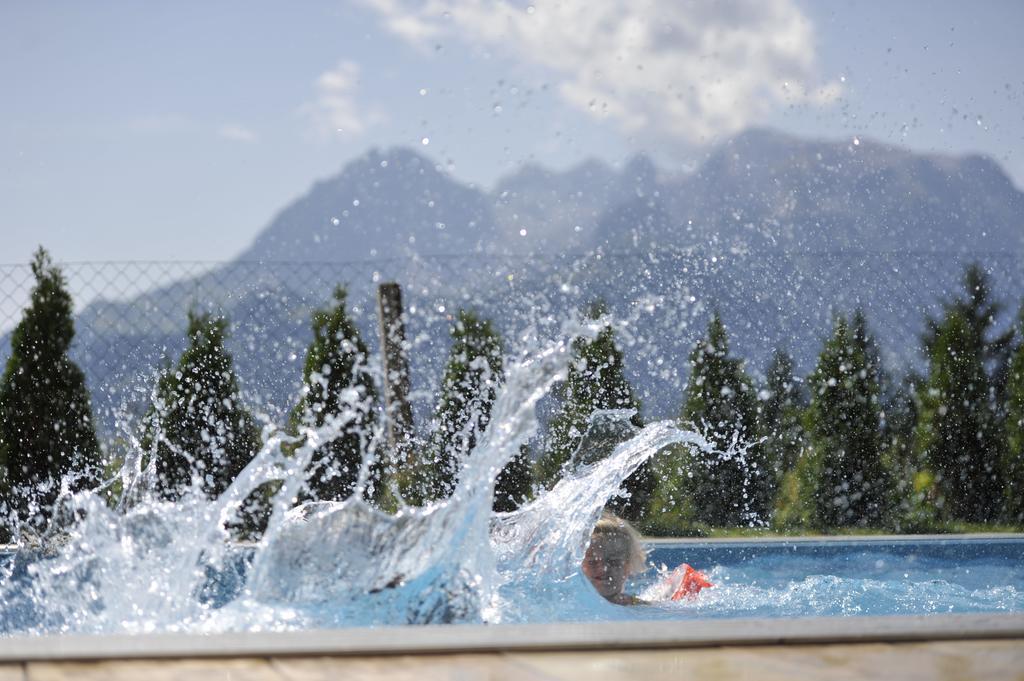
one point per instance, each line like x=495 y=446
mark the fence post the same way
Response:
x=398 y=411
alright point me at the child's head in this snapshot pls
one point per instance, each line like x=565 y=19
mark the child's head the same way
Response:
x=615 y=553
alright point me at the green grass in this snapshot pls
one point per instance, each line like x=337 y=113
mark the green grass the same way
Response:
x=652 y=528
x=674 y=527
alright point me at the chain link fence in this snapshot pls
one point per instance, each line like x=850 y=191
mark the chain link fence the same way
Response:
x=131 y=316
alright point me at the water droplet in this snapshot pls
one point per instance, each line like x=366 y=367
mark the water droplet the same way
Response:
x=423 y=92
x=383 y=164
x=355 y=202
x=856 y=141
x=531 y=9
x=497 y=108
x=425 y=141
x=335 y=221
x=522 y=232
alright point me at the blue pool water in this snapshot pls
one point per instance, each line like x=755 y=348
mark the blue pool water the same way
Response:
x=798 y=578
x=855 y=577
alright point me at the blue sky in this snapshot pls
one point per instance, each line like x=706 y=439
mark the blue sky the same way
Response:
x=175 y=131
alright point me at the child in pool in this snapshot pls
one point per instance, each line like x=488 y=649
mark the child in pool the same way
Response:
x=615 y=553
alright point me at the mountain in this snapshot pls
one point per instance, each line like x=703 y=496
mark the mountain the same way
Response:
x=776 y=233
x=396 y=203
x=762 y=191
x=384 y=205
x=558 y=210
x=766 y=191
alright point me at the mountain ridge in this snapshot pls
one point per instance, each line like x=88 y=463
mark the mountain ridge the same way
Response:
x=760 y=190
x=777 y=233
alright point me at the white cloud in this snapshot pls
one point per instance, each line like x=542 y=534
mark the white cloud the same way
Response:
x=405 y=23
x=678 y=70
x=237 y=133
x=334 y=108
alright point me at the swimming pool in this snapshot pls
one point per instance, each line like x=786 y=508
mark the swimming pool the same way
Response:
x=791 y=578
x=868 y=576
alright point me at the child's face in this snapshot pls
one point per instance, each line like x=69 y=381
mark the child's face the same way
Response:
x=605 y=564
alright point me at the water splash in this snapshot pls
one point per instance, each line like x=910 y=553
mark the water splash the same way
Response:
x=152 y=565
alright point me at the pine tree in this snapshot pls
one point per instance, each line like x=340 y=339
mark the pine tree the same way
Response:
x=468 y=389
x=912 y=482
x=1013 y=489
x=199 y=426
x=720 y=401
x=473 y=374
x=843 y=475
x=780 y=416
x=514 y=484
x=899 y=417
x=46 y=422
x=335 y=381
x=596 y=381
x=980 y=312
x=958 y=430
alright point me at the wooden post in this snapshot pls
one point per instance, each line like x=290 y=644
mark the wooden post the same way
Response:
x=398 y=411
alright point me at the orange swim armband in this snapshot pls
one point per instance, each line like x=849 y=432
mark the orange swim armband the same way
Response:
x=687 y=581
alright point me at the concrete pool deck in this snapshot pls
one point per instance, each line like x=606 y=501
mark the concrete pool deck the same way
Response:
x=967 y=661
x=929 y=646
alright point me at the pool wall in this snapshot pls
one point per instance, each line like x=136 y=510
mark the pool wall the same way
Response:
x=435 y=639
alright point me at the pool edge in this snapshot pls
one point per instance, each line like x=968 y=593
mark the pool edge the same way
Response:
x=440 y=639
x=840 y=538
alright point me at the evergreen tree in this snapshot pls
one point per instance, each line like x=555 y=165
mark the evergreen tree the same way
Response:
x=1013 y=490
x=980 y=313
x=843 y=475
x=46 y=423
x=335 y=382
x=958 y=430
x=720 y=401
x=899 y=418
x=596 y=381
x=199 y=426
x=473 y=374
x=514 y=483
x=911 y=479
x=780 y=416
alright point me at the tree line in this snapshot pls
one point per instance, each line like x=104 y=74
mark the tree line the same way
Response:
x=848 y=446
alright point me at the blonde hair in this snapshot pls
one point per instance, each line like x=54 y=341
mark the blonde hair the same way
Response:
x=610 y=525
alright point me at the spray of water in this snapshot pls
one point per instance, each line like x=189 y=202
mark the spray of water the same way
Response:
x=155 y=565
